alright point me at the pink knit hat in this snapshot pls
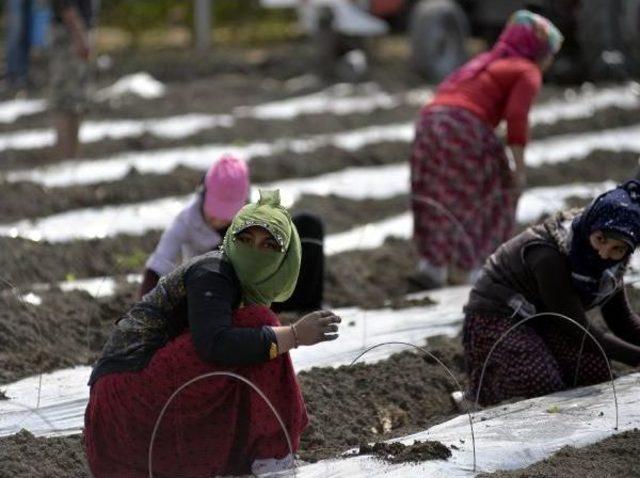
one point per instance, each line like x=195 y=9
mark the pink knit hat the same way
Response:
x=226 y=187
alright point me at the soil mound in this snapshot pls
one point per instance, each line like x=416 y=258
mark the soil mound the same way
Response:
x=370 y=278
x=23 y=455
x=616 y=456
x=397 y=452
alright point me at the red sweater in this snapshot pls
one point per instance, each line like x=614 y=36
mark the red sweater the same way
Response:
x=505 y=90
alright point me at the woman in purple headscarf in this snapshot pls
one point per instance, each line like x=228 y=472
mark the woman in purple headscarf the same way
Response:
x=572 y=263
x=464 y=191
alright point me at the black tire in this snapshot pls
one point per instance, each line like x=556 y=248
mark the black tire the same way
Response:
x=438 y=31
x=600 y=33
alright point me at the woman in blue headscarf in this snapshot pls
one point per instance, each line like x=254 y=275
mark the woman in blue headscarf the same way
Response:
x=570 y=264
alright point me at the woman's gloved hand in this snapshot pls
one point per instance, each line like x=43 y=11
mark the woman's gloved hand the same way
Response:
x=316 y=327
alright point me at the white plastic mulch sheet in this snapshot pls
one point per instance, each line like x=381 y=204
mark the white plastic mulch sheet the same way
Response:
x=13 y=109
x=507 y=437
x=54 y=403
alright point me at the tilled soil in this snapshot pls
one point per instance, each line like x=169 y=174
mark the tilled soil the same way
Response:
x=370 y=278
x=346 y=406
x=24 y=262
x=24 y=456
x=341 y=215
x=616 y=456
x=67 y=329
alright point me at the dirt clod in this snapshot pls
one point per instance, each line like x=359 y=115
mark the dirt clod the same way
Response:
x=397 y=452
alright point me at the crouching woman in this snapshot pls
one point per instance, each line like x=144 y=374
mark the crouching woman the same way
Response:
x=573 y=262
x=211 y=314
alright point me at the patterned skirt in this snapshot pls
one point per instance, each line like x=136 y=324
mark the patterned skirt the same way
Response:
x=462 y=205
x=215 y=426
x=532 y=360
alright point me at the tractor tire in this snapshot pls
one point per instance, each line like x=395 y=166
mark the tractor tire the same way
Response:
x=438 y=31
x=603 y=50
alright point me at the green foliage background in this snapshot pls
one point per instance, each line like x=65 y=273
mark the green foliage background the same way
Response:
x=136 y=16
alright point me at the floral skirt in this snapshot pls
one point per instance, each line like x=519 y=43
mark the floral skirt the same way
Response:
x=532 y=360
x=462 y=204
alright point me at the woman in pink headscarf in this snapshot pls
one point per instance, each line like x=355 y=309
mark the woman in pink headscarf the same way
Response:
x=464 y=190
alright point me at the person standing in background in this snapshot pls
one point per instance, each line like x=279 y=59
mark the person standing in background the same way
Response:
x=18 y=24
x=464 y=191
x=69 y=71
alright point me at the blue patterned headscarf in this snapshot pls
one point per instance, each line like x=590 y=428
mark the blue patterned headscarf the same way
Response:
x=617 y=214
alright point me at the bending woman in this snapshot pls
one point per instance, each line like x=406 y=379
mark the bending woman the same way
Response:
x=211 y=314
x=464 y=192
x=570 y=264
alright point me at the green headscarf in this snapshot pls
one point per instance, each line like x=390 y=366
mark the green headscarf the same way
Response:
x=265 y=276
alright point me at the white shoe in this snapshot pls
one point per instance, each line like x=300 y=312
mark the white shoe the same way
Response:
x=266 y=466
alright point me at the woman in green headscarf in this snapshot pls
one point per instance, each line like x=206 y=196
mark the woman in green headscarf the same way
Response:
x=212 y=314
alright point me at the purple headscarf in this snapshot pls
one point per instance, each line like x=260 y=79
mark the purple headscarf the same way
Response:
x=527 y=35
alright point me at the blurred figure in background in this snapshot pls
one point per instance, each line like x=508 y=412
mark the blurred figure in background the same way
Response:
x=69 y=71
x=464 y=190
x=18 y=26
x=201 y=226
